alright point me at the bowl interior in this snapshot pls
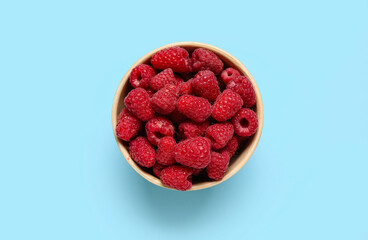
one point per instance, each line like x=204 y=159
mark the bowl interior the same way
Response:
x=245 y=150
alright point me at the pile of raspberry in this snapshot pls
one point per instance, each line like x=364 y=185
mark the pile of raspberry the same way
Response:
x=186 y=116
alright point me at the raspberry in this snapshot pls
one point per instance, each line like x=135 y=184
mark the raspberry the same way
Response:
x=161 y=79
x=226 y=106
x=142 y=152
x=203 y=127
x=196 y=108
x=164 y=101
x=138 y=102
x=157 y=128
x=178 y=177
x=177 y=117
x=178 y=80
x=242 y=86
x=193 y=152
x=150 y=92
x=141 y=75
x=205 y=85
x=176 y=58
x=196 y=172
x=203 y=59
x=245 y=122
x=218 y=165
x=188 y=130
x=185 y=88
x=220 y=134
x=229 y=74
x=165 y=151
x=157 y=168
x=192 y=129
x=127 y=125
x=231 y=146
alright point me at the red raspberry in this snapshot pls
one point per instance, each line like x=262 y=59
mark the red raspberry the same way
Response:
x=196 y=108
x=160 y=80
x=188 y=130
x=193 y=152
x=203 y=127
x=205 y=85
x=127 y=125
x=192 y=129
x=142 y=152
x=229 y=74
x=165 y=151
x=150 y=92
x=245 y=122
x=220 y=134
x=164 y=101
x=138 y=102
x=231 y=146
x=157 y=168
x=218 y=165
x=178 y=80
x=157 y=128
x=177 y=117
x=185 y=88
x=226 y=106
x=176 y=58
x=203 y=59
x=178 y=177
x=242 y=86
x=196 y=172
x=141 y=76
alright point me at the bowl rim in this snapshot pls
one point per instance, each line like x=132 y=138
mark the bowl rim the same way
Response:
x=245 y=155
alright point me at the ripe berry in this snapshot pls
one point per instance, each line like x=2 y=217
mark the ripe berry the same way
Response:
x=245 y=122
x=157 y=128
x=164 y=101
x=178 y=177
x=141 y=75
x=150 y=92
x=138 y=102
x=176 y=58
x=242 y=86
x=203 y=59
x=196 y=108
x=127 y=125
x=163 y=78
x=165 y=151
x=229 y=74
x=197 y=171
x=231 y=146
x=205 y=85
x=220 y=134
x=192 y=129
x=202 y=127
x=218 y=165
x=177 y=117
x=226 y=106
x=193 y=152
x=142 y=152
x=185 y=88
x=157 y=168
x=178 y=80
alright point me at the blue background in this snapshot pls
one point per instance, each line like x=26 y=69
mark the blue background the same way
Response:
x=62 y=175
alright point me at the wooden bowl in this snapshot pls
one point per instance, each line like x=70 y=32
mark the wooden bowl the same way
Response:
x=238 y=161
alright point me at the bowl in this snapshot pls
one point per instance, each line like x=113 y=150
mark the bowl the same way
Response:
x=237 y=161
